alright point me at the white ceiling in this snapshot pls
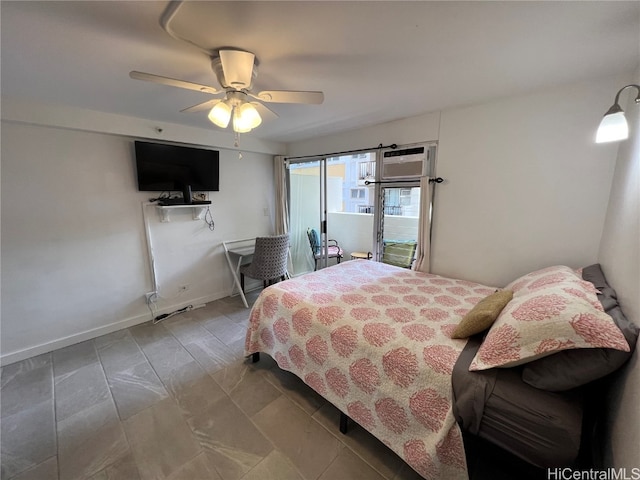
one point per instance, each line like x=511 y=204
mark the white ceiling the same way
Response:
x=375 y=61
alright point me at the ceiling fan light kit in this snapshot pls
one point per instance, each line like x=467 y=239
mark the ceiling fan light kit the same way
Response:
x=248 y=116
x=220 y=114
x=235 y=71
x=245 y=116
x=242 y=123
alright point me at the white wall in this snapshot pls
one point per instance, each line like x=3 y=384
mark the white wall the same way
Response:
x=401 y=132
x=619 y=257
x=31 y=113
x=74 y=258
x=525 y=186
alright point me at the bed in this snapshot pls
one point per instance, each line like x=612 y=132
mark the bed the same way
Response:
x=375 y=341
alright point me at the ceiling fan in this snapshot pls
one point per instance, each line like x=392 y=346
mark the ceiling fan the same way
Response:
x=235 y=70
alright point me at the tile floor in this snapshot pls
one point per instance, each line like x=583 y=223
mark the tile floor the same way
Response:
x=177 y=400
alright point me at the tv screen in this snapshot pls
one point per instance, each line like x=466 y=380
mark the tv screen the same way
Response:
x=163 y=167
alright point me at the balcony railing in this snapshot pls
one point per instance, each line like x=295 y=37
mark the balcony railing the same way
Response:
x=388 y=209
x=354 y=233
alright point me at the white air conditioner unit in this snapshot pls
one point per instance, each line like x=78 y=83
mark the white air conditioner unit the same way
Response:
x=406 y=163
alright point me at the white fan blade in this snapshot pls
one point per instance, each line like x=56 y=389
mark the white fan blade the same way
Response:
x=172 y=82
x=237 y=67
x=265 y=112
x=290 y=96
x=208 y=105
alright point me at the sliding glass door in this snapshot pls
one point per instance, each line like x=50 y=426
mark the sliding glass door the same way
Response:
x=310 y=190
x=363 y=202
x=330 y=195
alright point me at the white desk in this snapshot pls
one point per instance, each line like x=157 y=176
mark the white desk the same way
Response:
x=237 y=252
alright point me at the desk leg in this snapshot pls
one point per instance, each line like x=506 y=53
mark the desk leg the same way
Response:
x=236 y=280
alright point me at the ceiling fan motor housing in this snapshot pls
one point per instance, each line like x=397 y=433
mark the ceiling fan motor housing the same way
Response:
x=216 y=66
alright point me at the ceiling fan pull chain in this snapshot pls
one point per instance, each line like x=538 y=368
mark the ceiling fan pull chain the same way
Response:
x=236 y=137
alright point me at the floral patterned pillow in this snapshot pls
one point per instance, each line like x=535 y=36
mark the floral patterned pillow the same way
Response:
x=546 y=277
x=551 y=311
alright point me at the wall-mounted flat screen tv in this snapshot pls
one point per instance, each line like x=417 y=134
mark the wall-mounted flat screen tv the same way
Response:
x=162 y=167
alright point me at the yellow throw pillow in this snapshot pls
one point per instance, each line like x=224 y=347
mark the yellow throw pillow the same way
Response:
x=483 y=314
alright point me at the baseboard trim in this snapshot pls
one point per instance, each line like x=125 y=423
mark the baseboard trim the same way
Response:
x=19 y=355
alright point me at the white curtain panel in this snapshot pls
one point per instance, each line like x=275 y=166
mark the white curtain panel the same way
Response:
x=282 y=207
x=423 y=249
x=281 y=203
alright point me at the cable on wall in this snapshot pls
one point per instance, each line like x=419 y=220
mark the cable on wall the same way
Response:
x=164 y=316
x=208 y=219
x=153 y=296
x=147 y=231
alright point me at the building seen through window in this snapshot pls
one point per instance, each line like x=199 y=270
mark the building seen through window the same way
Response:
x=358 y=197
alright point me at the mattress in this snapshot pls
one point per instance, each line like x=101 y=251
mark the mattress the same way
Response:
x=543 y=428
x=374 y=340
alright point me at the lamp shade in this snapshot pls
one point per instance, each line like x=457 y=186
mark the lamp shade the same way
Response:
x=248 y=116
x=220 y=114
x=613 y=127
x=240 y=125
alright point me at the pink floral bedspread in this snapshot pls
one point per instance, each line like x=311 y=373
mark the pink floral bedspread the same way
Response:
x=373 y=340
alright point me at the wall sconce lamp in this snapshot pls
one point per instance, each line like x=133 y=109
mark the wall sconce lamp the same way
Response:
x=613 y=126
